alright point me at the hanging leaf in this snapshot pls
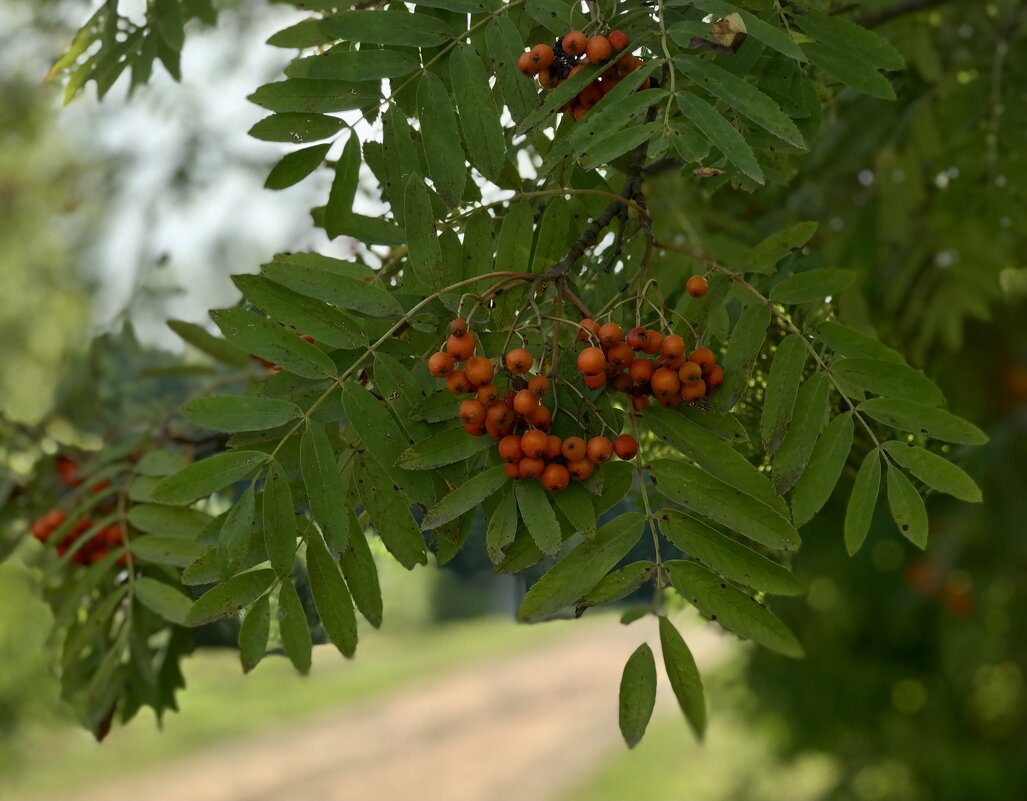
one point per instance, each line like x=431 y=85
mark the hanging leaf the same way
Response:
x=576 y=505
x=355 y=65
x=168 y=602
x=390 y=513
x=234 y=537
x=708 y=496
x=617 y=585
x=505 y=45
x=763 y=258
x=441 y=449
x=274 y=343
x=581 y=569
x=502 y=526
x=919 y=418
x=538 y=516
x=422 y=240
x=724 y=555
x=846 y=341
x=295 y=166
x=337 y=282
x=860 y=511
x=200 y=479
x=742 y=349
x=771 y=35
x=216 y=347
x=934 y=470
x=293 y=628
x=721 y=133
x=230 y=597
x=254 y=632
x=157 y=549
x=441 y=139
x=810 y=416
x=387 y=27
x=907 y=507
x=479 y=118
x=331 y=597
x=782 y=389
x=294 y=127
x=888 y=378
x=313 y=96
x=325 y=492
x=279 y=520
x=684 y=676
x=733 y=609
x=344 y=188
x=637 y=694
x=172 y=521
x=361 y=575
x=239 y=413
x=818 y=480
x=812 y=286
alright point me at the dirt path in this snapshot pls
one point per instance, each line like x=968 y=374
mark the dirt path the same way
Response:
x=521 y=727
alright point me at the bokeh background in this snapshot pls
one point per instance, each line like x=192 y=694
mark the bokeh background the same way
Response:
x=115 y=216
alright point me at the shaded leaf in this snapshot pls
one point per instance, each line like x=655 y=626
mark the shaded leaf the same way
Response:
x=502 y=526
x=293 y=628
x=214 y=473
x=907 y=507
x=763 y=258
x=279 y=520
x=228 y=598
x=860 y=511
x=390 y=513
x=440 y=137
x=637 y=694
x=811 y=412
x=888 y=378
x=782 y=389
x=331 y=597
x=274 y=343
x=538 y=516
x=919 y=418
x=239 y=412
x=934 y=470
x=254 y=632
x=812 y=286
x=818 y=480
x=168 y=602
x=684 y=676
x=479 y=117
x=234 y=537
x=721 y=133
x=323 y=483
x=295 y=127
x=441 y=449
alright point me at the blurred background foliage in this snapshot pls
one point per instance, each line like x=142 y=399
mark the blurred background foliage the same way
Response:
x=914 y=685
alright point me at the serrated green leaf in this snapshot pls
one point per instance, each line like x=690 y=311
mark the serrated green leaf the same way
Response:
x=617 y=585
x=771 y=35
x=294 y=167
x=331 y=597
x=324 y=323
x=808 y=420
x=274 y=343
x=479 y=117
x=838 y=32
x=846 y=341
x=724 y=555
x=732 y=608
x=294 y=127
x=325 y=492
x=332 y=281
x=314 y=96
x=934 y=470
x=344 y=188
x=538 y=516
x=234 y=537
x=849 y=70
x=200 y=479
x=465 y=497
x=158 y=549
x=436 y=408
x=742 y=349
x=200 y=338
x=388 y=27
x=782 y=389
x=576 y=505
x=505 y=45
x=818 y=480
x=254 y=632
x=918 y=418
x=361 y=575
x=171 y=521
x=684 y=677
x=390 y=513
x=425 y=255
x=706 y=495
x=441 y=449
x=907 y=507
x=860 y=511
x=304 y=34
x=403 y=394
x=551 y=245
x=617 y=143
x=293 y=628
x=742 y=96
x=812 y=286
x=168 y=602
x=763 y=258
x=228 y=598
x=279 y=520
x=440 y=137
x=502 y=526
x=721 y=133
x=581 y=569
x=637 y=694
x=355 y=65
x=239 y=412
x=889 y=379
x=513 y=254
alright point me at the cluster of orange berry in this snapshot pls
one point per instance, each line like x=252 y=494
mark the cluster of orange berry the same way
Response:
x=518 y=418
x=100 y=544
x=554 y=65
x=671 y=377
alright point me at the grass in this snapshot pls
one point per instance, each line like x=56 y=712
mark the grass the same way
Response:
x=220 y=704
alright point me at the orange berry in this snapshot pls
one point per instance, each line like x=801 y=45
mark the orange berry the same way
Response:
x=499 y=414
x=618 y=40
x=599 y=450
x=610 y=334
x=512 y=471
x=591 y=326
x=620 y=355
x=497 y=430
x=574 y=43
x=479 y=371
x=545 y=79
x=578 y=112
x=608 y=83
x=460 y=348
x=580 y=469
x=440 y=365
x=637 y=338
x=534 y=443
x=525 y=402
x=510 y=448
x=457 y=383
x=598 y=49
x=653 y=343
x=592 y=361
x=625 y=446
x=665 y=383
x=541 y=417
x=488 y=393
x=670 y=401
x=639 y=402
x=554 y=448
x=539 y=385
x=689 y=372
x=673 y=346
x=694 y=390
x=641 y=371
x=555 y=478
x=475 y=429
x=590 y=95
x=458 y=327
x=573 y=449
x=696 y=286
x=526 y=65
x=595 y=381
x=519 y=361
x=715 y=377
x=531 y=466
x=542 y=56
x=622 y=382
x=703 y=357
x=472 y=410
